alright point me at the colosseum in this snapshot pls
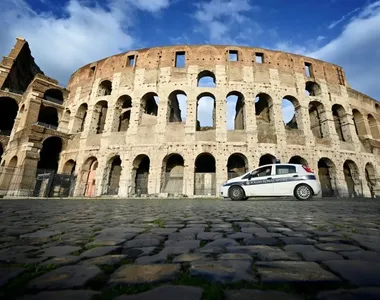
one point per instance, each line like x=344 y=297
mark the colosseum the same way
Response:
x=179 y=121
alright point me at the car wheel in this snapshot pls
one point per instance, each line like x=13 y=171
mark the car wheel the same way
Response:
x=236 y=193
x=303 y=192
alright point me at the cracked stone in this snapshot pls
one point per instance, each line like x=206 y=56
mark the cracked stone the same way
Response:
x=62 y=260
x=362 y=273
x=41 y=234
x=168 y=292
x=362 y=255
x=223 y=271
x=259 y=295
x=63 y=295
x=189 y=257
x=65 y=277
x=180 y=236
x=7 y=274
x=297 y=241
x=294 y=272
x=261 y=241
x=153 y=259
x=209 y=236
x=59 y=251
x=138 y=252
x=337 y=247
x=222 y=243
x=139 y=243
x=320 y=255
x=300 y=248
x=140 y=274
x=105 y=260
x=235 y=256
x=99 y=251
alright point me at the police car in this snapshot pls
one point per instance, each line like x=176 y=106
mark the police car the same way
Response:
x=273 y=180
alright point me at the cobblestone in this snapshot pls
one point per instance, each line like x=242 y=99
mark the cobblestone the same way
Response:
x=332 y=245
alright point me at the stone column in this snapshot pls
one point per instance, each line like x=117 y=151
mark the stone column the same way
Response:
x=124 y=184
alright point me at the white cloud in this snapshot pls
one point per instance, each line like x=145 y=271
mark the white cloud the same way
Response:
x=356 y=49
x=225 y=22
x=85 y=33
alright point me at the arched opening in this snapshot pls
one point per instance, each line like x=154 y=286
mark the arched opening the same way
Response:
x=141 y=166
x=122 y=115
x=99 y=117
x=371 y=179
x=69 y=167
x=54 y=95
x=351 y=176
x=105 y=88
x=13 y=162
x=177 y=106
x=237 y=165
x=312 y=89
x=298 y=160
x=263 y=108
x=327 y=177
x=267 y=159
x=317 y=117
x=373 y=127
x=359 y=123
x=114 y=174
x=338 y=115
x=205 y=112
x=205 y=179
x=8 y=113
x=49 y=155
x=89 y=176
x=149 y=109
x=206 y=79
x=48 y=116
x=377 y=108
x=235 y=111
x=291 y=114
x=1 y=151
x=80 y=118
x=173 y=169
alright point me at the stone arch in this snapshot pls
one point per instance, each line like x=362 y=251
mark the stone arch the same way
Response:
x=69 y=167
x=8 y=113
x=235 y=111
x=122 y=116
x=359 y=123
x=263 y=108
x=54 y=95
x=1 y=151
x=371 y=178
x=339 y=114
x=373 y=126
x=13 y=162
x=312 y=89
x=351 y=176
x=327 y=177
x=206 y=78
x=21 y=111
x=205 y=174
x=298 y=160
x=177 y=106
x=173 y=171
x=112 y=178
x=99 y=116
x=49 y=154
x=88 y=179
x=291 y=112
x=140 y=172
x=267 y=159
x=149 y=109
x=318 y=118
x=48 y=116
x=105 y=88
x=237 y=165
x=377 y=108
x=205 y=119
x=80 y=118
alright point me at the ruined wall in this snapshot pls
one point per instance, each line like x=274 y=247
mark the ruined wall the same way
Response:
x=256 y=73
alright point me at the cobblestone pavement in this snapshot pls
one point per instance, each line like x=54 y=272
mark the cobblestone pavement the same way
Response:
x=189 y=249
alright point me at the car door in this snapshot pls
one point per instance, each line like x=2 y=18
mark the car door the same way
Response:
x=260 y=182
x=284 y=180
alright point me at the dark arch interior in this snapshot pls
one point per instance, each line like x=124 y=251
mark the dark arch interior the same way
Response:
x=206 y=79
x=48 y=115
x=312 y=88
x=174 y=161
x=49 y=155
x=267 y=159
x=8 y=113
x=262 y=106
x=142 y=173
x=127 y=101
x=53 y=94
x=105 y=88
x=298 y=160
x=150 y=105
x=205 y=163
x=114 y=176
x=1 y=151
x=144 y=165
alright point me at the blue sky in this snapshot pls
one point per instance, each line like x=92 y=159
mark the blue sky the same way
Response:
x=66 y=34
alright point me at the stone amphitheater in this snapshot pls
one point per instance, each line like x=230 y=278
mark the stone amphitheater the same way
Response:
x=133 y=124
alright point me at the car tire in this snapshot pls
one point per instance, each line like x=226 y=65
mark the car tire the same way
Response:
x=303 y=192
x=236 y=193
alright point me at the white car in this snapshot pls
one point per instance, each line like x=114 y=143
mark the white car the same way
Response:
x=273 y=180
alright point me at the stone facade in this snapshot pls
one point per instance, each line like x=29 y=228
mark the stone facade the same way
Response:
x=123 y=130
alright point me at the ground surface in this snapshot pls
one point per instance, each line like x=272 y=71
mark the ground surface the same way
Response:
x=189 y=249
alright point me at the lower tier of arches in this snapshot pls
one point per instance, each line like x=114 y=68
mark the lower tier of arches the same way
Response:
x=201 y=172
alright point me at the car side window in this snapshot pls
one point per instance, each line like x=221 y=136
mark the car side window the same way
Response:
x=265 y=171
x=282 y=170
